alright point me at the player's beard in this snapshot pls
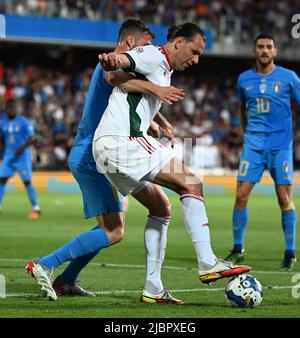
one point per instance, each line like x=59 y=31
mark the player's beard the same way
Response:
x=265 y=64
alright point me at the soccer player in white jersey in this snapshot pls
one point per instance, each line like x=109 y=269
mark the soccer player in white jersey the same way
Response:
x=100 y=199
x=129 y=157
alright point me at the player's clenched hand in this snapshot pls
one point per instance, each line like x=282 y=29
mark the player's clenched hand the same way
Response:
x=109 y=61
x=170 y=94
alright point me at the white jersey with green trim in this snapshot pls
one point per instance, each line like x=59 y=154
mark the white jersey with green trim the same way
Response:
x=130 y=114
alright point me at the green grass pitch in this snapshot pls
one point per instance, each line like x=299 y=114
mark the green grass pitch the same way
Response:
x=117 y=273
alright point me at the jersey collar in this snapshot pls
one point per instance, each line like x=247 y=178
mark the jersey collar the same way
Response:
x=161 y=48
x=271 y=72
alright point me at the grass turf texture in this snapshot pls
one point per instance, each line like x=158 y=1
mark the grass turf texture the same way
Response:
x=117 y=274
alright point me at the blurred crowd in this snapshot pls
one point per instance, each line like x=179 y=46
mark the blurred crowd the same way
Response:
x=54 y=102
x=274 y=16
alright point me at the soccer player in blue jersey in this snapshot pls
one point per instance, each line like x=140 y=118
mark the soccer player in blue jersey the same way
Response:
x=99 y=198
x=265 y=93
x=18 y=135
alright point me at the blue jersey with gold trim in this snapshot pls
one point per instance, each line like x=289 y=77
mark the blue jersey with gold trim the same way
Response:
x=268 y=103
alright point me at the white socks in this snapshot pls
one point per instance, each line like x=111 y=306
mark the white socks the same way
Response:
x=155 y=242
x=197 y=225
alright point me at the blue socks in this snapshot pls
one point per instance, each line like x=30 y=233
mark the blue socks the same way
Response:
x=87 y=243
x=2 y=190
x=31 y=194
x=72 y=271
x=288 y=220
x=240 y=220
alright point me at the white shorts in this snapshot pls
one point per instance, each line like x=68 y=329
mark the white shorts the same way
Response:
x=130 y=162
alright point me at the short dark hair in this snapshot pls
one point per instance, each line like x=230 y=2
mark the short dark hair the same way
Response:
x=264 y=36
x=187 y=30
x=134 y=27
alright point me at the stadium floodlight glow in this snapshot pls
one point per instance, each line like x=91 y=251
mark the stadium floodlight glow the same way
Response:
x=2 y=287
x=296 y=28
x=2 y=27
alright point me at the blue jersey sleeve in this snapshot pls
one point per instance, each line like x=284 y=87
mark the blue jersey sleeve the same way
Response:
x=239 y=92
x=101 y=79
x=295 y=87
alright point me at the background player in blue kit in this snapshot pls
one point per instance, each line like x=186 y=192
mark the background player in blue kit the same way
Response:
x=18 y=135
x=265 y=93
x=99 y=198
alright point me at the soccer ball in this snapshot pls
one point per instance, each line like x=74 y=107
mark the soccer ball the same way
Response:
x=244 y=291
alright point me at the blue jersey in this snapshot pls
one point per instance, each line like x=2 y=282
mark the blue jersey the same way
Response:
x=15 y=133
x=96 y=103
x=268 y=103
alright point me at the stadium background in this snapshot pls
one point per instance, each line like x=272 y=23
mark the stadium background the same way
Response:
x=46 y=61
x=51 y=47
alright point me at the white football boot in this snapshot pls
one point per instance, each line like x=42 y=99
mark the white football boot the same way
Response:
x=44 y=278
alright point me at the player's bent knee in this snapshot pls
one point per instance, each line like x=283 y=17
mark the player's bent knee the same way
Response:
x=166 y=210
x=192 y=189
x=116 y=235
x=286 y=203
x=241 y=203
x=26 y=183
x=162 y=209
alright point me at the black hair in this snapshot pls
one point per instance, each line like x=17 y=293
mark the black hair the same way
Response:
x=134 y=27
x=187 y=30
x=264 y=36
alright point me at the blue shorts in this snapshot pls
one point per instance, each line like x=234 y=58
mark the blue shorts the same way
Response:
x=10 y=165
x=99 y=197
x=278 y=162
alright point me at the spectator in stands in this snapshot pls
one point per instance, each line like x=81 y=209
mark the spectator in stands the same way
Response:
x=252 y=15
x=53 y=101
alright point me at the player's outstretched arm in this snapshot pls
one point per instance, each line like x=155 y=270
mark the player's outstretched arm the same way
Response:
x=113 y=61
x=118 y=77
x=168 y=94
x=128 y=83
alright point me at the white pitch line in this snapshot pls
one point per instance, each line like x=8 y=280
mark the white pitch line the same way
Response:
x=181 y=268
x=115 y=292
x=138 y=266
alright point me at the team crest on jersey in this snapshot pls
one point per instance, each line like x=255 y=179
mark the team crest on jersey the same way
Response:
x=263 y=87
x=276 y=86
x=286 y=166
x=17 y=128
